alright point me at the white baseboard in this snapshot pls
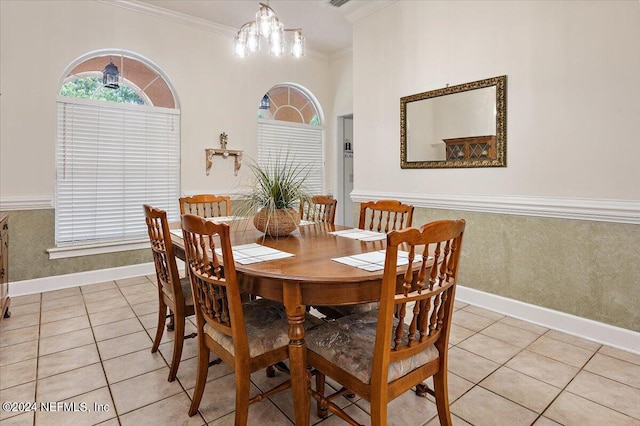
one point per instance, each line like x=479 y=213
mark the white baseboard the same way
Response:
x=605 y=334
x=57 y=282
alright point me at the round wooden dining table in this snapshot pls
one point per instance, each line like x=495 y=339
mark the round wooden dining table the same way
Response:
x=310 y=277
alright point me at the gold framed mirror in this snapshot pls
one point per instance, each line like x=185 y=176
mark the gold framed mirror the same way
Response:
x=456 y=126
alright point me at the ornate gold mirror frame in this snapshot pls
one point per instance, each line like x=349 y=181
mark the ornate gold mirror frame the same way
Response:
x=438 y=130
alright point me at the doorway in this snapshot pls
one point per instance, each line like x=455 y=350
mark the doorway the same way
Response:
x=345 y=173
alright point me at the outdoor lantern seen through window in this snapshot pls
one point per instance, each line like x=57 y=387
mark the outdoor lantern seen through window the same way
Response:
x=110 y=75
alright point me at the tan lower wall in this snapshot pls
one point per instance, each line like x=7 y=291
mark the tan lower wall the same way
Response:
x=32 y=232
x=584 y=268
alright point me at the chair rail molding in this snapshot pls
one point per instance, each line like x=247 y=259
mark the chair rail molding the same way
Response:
x=600 y=210
x=26 y=202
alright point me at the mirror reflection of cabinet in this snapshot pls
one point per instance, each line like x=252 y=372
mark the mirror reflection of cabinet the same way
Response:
x=4 y=267
x=470 y=148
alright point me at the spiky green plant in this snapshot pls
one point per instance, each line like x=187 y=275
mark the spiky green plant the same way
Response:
x=279 y=184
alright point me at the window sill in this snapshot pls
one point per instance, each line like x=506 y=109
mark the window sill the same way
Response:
x=96 y=248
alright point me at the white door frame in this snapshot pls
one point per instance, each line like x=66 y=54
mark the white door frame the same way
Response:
x=340 y=175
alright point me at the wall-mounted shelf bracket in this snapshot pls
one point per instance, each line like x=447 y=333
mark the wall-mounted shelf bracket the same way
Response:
x=224 y=153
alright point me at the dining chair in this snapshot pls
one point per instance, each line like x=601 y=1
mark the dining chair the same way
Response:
x=206 y=205
x=382 y=353
x=174 y=293
x=378 y=216
x=385 y=215
x=247 y=336
x=320 y=208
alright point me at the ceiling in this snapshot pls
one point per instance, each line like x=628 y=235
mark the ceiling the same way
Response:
x=325 y=27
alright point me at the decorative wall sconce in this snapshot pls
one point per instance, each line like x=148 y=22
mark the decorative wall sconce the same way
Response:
x=225 y=153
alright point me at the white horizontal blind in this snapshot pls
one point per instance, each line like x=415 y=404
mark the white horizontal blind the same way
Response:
x=110 y=160
x=303 y=143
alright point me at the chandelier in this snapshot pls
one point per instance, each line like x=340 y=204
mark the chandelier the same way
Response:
x=267 y=25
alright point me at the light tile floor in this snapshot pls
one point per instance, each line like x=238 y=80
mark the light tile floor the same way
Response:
x=91 y=345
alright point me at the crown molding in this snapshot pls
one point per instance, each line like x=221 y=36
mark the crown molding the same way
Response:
x=170 y=15
x=184 y=19
x=615 y=211
x=367 y=9
x=347 y=52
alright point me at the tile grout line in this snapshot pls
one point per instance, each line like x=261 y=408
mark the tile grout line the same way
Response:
x=104 y=373
x=566 y=386
x=35 y=387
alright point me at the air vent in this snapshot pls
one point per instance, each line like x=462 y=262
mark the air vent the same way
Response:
x=337 y=3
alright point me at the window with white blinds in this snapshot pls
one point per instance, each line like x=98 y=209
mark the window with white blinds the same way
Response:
x=110 y=160
x=302 y=142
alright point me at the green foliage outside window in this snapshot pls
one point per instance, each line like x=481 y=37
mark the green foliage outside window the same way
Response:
x=91 y=88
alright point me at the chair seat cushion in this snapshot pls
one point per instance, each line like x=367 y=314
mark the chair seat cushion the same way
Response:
x=186 y=291
x=349 y=342
x=335 y=312
x=267 y=327
x=185 y=285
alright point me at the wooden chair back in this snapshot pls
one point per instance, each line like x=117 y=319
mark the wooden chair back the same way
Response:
x=221 y=316
x=385 y=215
x=425 y=306
x=173 y=293
x=163 y=256
x=213 y=279
x=412 y=326
x=206 y=205
x=321 y=208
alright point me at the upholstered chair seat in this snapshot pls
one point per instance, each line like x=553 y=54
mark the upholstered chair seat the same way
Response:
x=349 y=341
x=185 y=285
x=267 y=327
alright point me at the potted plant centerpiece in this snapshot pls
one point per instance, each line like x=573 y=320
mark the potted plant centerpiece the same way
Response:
x=275 y=195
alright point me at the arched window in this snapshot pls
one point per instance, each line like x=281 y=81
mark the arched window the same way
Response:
x=288 y=103
x=116 y=149
x=289 y=121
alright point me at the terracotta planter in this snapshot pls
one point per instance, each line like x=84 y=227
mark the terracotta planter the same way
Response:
x=277 y=223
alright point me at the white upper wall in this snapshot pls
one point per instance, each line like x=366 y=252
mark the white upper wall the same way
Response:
x=217 y=91
x=573 y=93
